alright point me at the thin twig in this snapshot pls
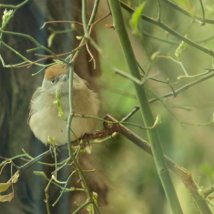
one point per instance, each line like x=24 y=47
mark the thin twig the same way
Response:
x=19 y=55
x=170 y=30
x=184 y=87
x=185 y=12
x=47 y=196
x=93 y=13
x=30 y=38
x=34 y=160
x=146 y=112
x=11 y=6
x=60 y=22
x=203 y=12
x=183 y=173
x=71 y=154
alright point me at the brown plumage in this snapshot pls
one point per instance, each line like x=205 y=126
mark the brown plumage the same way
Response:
x=45 y=120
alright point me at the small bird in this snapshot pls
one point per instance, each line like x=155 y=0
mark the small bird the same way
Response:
x=49 y=107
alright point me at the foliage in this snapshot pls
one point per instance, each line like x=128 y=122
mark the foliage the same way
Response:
x=175 y=62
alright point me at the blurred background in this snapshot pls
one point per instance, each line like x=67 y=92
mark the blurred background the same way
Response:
x=186 y=127
x=168 y=65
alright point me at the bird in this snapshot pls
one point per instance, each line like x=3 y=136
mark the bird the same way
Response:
x=49 y=107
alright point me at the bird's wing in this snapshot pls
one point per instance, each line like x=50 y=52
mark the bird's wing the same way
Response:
x=36 y=94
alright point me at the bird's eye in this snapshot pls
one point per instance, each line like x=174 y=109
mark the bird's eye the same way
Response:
x=53 y=81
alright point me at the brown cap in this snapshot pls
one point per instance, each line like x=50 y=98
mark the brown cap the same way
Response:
x=55 y=70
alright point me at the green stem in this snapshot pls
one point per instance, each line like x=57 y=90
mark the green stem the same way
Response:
x=11 y=6
x=84 y=19
x=183 y=173
x=185 y=12
x=171 y=31
x=183 y=88
x=145 y=109
x=93 y=13
x=19 y=55
x=71 y=154
x=203 y=12
x=30 y=38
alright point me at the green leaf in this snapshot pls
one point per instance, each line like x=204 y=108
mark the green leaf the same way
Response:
x=135 y=18
x=58 y=103
x=7 y=15
x=181 y=47
x=50 y=39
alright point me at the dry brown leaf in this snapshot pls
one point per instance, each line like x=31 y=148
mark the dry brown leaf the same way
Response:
x=5 y=186
x=7 y=197
x=15 y=177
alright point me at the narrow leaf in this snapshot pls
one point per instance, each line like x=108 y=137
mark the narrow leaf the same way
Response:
x=10 y=182
x=50 y=39
x=181 y=47
x=4 y=186
x=7 y=197
x=136 y=17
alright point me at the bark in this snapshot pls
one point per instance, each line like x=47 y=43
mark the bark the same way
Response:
x=16 y=88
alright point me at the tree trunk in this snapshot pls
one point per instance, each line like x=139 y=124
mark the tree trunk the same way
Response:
x=16 y=88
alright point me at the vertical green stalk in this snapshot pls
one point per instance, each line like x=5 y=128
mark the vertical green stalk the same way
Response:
x=148 y=119
x=93 y=13
x=84 y=19
x=70 y=104
x=89 y=194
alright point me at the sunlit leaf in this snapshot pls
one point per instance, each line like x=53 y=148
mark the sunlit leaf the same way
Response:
x=181 y=47
x=50 y=39
x=155 y=55
x=135 y=18
x=15 y=177
x=58 y=103
x=95 y=197
x=7 y=15
x=90 y=208
x=4 y=186
x=51 y=140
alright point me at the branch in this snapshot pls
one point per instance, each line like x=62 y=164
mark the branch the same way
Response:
x=170 y=30
x=145 y=108
x=72 y=156
x=185 y=87
x=186 y=177
x=11 y=6
x=185 y=12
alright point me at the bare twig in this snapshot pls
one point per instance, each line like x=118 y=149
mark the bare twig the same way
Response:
x=183 y=173
x=170 y=30
x=185 y=12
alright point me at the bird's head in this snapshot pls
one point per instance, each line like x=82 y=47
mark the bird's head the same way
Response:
x=56 y=79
